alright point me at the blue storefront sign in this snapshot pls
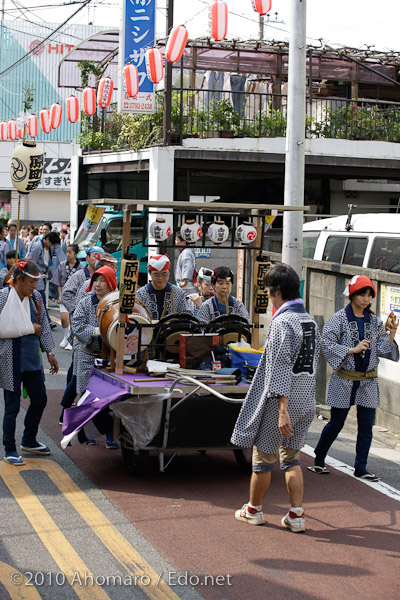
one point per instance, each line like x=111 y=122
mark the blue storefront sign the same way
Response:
x=137 y=35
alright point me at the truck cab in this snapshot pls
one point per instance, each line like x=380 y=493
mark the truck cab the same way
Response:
x=108 y=235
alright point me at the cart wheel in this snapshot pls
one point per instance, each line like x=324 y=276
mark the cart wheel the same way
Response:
x=135 y=461
x=243 y=458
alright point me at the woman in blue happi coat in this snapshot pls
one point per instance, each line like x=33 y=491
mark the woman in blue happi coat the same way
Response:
x=353 y=340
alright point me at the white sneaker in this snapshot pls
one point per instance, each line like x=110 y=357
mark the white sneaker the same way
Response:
x=253 y=518
x=294 y=522
x=68 y=346
x=64 y=343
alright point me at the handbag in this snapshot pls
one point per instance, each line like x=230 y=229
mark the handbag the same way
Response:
x=245 y=359
x=15 y=318
x=194 y=348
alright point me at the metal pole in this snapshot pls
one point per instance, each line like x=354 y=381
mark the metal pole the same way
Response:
x=261 y=23
x=292 y=246
x=168 y=81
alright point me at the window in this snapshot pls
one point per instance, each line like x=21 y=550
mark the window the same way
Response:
x=334 y=249
x=345 y=250
x=310 y=239
x=355 y=251
x=385 y=254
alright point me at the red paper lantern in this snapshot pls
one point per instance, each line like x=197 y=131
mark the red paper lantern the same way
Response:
x=72 y=109
x=219 y=20
x=104 y=92
x=262 y=6
x=176 y=43
x=12 y=130
x=33 y=126
x=89 y=101
x=131 y=80
x=154 y=65
x=4 y=131
x=45 y=120
x=55 y=115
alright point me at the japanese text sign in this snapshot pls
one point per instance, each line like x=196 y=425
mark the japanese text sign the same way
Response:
x=138 y=34
x=128 y=285
x=260 y=295
x=92 y=218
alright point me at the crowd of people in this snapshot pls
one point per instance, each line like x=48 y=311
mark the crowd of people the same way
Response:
x=280 y=404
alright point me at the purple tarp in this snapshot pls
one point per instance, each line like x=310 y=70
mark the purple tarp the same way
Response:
x=101 y=392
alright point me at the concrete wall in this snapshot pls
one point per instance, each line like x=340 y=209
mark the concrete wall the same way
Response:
x=323 y=296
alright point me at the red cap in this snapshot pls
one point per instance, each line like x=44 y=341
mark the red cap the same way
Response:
x=109 y=276
x=159 y=262
x=358 y=282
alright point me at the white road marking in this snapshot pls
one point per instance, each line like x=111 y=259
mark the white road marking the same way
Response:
x=380 y=486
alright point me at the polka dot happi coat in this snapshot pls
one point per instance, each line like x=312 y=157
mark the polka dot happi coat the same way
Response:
x=338 y=336
x=287 y=368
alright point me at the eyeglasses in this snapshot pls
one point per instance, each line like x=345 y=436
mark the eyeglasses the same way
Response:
x=164 y=275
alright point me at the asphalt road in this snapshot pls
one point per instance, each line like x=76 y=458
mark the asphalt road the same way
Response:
x=75 y=524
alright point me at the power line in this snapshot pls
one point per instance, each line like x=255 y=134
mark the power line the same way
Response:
x=26 y=56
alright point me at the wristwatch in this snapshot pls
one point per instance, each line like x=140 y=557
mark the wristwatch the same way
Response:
x=50 y=353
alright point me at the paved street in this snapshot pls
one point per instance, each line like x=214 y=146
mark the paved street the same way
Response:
x=75 y=524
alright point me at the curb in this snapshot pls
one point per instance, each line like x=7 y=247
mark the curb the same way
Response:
x=387 y=438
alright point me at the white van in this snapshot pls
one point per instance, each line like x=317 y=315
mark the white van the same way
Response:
x=371 y=240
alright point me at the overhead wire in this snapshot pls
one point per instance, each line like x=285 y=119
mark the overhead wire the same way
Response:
x=28 y=54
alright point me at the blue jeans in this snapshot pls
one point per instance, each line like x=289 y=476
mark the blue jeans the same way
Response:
x=365 y=421
x=34 y=384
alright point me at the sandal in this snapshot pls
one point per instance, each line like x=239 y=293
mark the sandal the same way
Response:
x=14 y=460
x=90 y=443
x=366 y=476
x=319 y=470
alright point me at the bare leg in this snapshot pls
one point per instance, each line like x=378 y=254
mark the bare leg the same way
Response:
x=295 y=485
x=64 y=320
x=259 y=484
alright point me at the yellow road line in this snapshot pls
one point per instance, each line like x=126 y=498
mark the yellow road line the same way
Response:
x=68 y=561
x=15 y=584
x=146 y=578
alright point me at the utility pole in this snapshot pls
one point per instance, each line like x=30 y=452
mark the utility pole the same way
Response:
x=168 y=81
x=292 y=245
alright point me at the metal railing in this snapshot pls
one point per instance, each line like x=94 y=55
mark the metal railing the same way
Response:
x=213 y=113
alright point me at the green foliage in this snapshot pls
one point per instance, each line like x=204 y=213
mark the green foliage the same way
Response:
x=87 y=68
x=29 y=96
x=353 y=122
x=138 y=131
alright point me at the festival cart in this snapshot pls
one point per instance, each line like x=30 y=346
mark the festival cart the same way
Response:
x=168 y=416
x=171 y=414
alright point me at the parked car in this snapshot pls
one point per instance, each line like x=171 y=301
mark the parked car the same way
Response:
x=369 y=240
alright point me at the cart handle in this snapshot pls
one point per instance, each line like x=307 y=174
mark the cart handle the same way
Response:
x=205 y=387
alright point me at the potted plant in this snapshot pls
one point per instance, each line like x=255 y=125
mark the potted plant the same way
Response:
x=225 y=117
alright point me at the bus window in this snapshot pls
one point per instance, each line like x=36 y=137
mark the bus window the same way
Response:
x=334 y=248
x=355 y=251
x=385 y=254
x=310 y=239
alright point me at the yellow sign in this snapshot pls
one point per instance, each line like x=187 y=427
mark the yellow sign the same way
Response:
x=92 y=218
x=268 y=220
